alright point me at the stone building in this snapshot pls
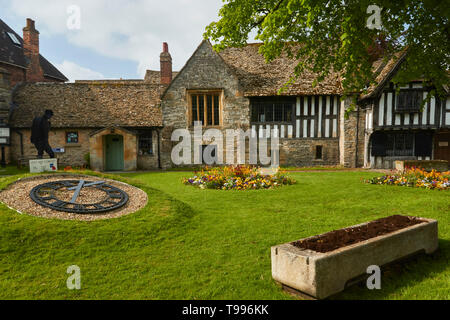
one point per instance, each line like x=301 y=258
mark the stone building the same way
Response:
x=111 y=125
x=128 y=124
x=236 y=88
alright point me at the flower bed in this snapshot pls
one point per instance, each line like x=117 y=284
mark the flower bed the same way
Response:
x=236 y=178
x=416 y=177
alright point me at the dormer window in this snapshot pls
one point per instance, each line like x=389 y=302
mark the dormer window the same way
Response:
x=14 y=39
x=409 y=101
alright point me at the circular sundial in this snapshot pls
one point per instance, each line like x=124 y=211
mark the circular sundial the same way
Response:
x=79 y=196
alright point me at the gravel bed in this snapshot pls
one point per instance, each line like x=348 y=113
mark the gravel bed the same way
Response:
x=17 y=197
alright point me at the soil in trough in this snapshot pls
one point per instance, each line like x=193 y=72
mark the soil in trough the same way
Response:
x=344 y=237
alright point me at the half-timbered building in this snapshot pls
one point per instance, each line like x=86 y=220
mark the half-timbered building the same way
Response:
x=402 y=124
x=236 y=89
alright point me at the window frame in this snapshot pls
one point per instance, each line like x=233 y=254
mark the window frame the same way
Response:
x=271 y=103
x=316 y=152
x=393 y=139
x=147 y=136
x=67 y=136
x=14 y=39
x=205 y=93
x=418 y=97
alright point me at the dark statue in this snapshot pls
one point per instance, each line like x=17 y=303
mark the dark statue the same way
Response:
x=39 y=134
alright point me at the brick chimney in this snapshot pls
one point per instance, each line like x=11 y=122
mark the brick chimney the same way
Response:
x=166 y=65
x=31 y=52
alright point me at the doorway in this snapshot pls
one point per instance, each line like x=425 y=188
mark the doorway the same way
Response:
x=442 y=146
x=114 y=153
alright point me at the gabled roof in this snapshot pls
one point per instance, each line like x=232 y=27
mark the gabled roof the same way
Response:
x=384 y=69
x=200 y=46
x=259 y=78
x=13 y=54
x=93 y=104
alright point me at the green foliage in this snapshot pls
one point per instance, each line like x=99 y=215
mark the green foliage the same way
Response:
x=87 y=159
x=334 y=36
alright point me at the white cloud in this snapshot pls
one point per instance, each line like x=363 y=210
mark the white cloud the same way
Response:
x=75 y=72
x=124 y=29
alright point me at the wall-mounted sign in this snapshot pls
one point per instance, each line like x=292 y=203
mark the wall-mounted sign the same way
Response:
x=4 y=133
x=59 y=150
x=3 y=141
x=443 y=143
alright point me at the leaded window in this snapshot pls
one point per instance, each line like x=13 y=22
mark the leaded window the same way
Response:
x=205 y=108
x=146 y=143
x=272 y=110
x=409 y=101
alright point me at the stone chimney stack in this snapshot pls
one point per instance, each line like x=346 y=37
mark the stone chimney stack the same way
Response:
x=166 y=65
x=31 y=52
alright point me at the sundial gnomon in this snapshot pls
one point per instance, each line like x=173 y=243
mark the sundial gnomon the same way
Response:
x=55 y=194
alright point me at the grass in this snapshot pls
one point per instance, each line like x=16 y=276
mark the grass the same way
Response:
x=189 y=243
x=11 y=170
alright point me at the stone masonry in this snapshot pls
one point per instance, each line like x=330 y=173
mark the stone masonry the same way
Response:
x=204 y=70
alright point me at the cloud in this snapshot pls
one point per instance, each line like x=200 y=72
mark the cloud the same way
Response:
x=75 y=72
x=124 y=29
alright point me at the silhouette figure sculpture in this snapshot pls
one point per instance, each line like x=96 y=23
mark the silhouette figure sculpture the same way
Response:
x=39 y=134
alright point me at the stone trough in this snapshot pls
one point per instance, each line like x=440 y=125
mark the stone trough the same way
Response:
x=320 y=275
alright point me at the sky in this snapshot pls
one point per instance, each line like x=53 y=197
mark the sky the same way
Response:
x=112 y=39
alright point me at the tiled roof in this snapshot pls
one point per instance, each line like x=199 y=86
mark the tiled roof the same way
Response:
x=13 y=54
x=384 y=69
x=259 y=78
x=154 y=76
x=93 y=104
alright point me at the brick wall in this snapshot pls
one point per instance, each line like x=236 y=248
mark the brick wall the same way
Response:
x=16 y=74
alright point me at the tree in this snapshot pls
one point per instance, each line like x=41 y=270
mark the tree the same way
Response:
x=344 y=36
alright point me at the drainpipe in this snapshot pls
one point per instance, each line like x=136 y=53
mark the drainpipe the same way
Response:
x=357 y=135
x=21 y=142
x=159 y=149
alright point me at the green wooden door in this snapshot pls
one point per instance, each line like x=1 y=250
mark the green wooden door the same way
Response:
x=114 y=152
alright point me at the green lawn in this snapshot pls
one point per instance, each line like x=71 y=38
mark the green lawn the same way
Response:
x=207 y=244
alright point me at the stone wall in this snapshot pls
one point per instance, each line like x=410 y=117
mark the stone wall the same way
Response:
x=97 y=154
x=302 y=152
x=205 y=70
x=149 y=162
x=74 y=154
x=352 y=136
